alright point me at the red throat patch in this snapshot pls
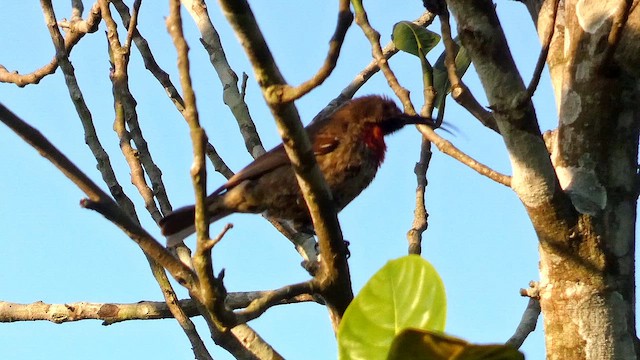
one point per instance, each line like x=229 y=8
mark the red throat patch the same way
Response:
x=374 y=139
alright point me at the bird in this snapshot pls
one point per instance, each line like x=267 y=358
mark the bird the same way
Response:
x=349 y=147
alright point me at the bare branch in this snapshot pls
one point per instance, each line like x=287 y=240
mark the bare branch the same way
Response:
x=231 y=96
x=527 y=324
x=387 y=52
x=544 y=52
x=448 y=148
x=98 y=200
x=420 y=215
x=258 y=306
x=459 y=91
x=113 y=313
x=90 y=135
x=203 y=266
x=210 y=291
x=109 y=313
x=334 y=280
x=124 y=105
x=374 y=38
x=178 y=311
x=77 y=29
x=345 y=17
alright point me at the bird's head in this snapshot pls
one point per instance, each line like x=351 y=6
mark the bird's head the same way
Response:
x=378 y=116
x=383 y=113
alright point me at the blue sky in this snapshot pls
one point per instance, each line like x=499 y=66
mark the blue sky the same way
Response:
x=479 y=237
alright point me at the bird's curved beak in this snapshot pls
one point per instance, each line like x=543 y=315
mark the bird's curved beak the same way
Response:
x=417 y=120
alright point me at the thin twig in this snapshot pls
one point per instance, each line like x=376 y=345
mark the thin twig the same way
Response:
x=345 y=18
x=619 y=22
x=124 y=105
x=459 y=91
x=177 y=310
x=148 y=58
x=98 y=200
x=231 y=95
x=333 y=279
x=544 y=52
x=448 y=148
x=374 y=38
x=90 y=135
x=77 y=29
x=420 y=215
x=527 y=324
x=203 y=266
x=271 y=298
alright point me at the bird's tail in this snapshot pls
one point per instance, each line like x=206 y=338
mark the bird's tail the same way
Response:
x=180 y=223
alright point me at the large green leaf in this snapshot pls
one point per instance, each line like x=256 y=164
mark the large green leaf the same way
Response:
x=440 y=78
x=414 y=39
x=414 y=344
x=405 y=293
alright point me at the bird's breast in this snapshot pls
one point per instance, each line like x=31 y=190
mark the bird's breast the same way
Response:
x=374 y=141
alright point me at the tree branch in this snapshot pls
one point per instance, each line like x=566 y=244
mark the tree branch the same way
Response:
x=345 y=18
x=259 y=305
x=333 y=278
x=98 y=200
x=210 y=291
x=534 y=178
x=231 y=95
x=420 y=215
x=527 y=324
x=448 y=148
x=459 y=91
x=113 y=313
x=124 y=105
x=374 y=38
x=77 y=29
x=90 y=135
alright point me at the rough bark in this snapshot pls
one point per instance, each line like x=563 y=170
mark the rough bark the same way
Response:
x=582 y=204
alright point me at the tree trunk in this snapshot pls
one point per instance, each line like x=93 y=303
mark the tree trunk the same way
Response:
x=582 y=204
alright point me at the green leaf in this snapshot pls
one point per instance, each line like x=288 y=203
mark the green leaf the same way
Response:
x=440 y=78
x=414 y=344
x=405 y=293
x=414 y=39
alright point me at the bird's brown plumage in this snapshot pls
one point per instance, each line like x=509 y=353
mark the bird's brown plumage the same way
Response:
x=349 y=148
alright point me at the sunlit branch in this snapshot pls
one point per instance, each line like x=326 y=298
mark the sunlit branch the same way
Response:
x=98 y=200
x=333 y=278
x=527 y=324
x=448 y=148
x=544 y=52
x=374 y=38
x=77 y=29
x=271 y=298
x=345 y=17
x=231 y=95
x=420 y=215
x=459 y=91
x=90 y=135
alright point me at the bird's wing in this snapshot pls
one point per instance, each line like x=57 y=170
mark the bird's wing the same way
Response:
x=270 y=160
x=324 y=144
x=275 y=158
